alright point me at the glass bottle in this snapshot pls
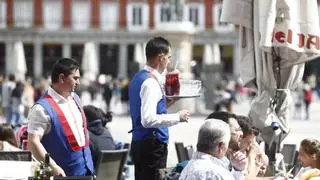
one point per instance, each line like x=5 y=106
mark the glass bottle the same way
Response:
x=47 y=170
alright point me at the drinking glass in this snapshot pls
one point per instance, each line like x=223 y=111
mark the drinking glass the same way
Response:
x=172 y=85
x=190 y=87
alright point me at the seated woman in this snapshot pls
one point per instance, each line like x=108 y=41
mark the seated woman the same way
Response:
x=22 y=137
x=257 y=159
x=99 y=136
x=309 y=156
x=8 y=140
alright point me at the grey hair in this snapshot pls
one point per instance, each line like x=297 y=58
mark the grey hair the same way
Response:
x=211 y=133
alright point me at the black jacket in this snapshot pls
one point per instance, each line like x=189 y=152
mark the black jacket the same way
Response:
x=100 y=139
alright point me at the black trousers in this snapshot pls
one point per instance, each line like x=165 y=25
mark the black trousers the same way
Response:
x=148 y=156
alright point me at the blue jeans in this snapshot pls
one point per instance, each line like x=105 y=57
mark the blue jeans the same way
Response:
x=16 y=118
x=8 y=114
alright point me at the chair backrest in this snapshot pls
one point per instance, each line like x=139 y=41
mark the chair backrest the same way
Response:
x=73 y=178
x=110 y=164
x=289 y=152
x=16 y=155
x=181 y=152
x=297 y=164
x=189 y=151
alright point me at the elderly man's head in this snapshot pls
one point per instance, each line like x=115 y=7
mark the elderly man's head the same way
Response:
x=231 y=120
x=214 y=136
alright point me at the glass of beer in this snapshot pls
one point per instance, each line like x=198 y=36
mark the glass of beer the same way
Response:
x=172 y=85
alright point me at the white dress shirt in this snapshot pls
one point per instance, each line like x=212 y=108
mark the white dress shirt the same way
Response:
x=150 y=94
x=204 y=166
x=39 y=121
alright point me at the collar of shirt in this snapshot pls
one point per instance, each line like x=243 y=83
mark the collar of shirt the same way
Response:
x=224 y=162
x=57 y=97
x=155 y=73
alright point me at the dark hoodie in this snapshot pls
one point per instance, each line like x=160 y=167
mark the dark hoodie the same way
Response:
x=99 y=136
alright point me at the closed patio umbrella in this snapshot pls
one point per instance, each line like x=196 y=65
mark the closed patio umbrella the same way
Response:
x=18 y=65
x=90 y=62
x=276 y=38
x=138 y=54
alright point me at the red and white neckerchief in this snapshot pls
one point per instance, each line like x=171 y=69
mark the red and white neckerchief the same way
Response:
x=66 y=127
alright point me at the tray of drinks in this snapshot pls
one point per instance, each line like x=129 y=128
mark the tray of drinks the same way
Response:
x=183 y=96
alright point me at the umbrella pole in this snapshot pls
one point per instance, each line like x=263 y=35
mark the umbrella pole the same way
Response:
x=270 y=151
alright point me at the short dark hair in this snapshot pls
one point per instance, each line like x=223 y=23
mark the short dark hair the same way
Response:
x=7 y=134
x=93 y=113
x=222 y=115
x=156 y=46
x=247 y=126
x=64 y=66
x=12 y=77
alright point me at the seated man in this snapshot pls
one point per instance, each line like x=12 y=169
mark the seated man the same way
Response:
x=257 y=159
x=237 y=159
x=209 y=161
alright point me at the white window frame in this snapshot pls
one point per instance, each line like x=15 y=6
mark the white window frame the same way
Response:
x=52 y=14
x=3 y=14
x=23 y=13
x=201 y=12
x=82 y=22
x=157 y=17
x=217 y=8
x=109 y=15
x=144 y=17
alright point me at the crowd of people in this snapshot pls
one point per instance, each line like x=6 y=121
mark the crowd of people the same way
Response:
x=74 y=134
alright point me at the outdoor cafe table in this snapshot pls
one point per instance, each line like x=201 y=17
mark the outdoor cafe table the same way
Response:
x=15 y=170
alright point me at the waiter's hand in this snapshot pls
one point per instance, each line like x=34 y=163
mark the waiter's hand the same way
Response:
x=58 y=171
x=184 y=115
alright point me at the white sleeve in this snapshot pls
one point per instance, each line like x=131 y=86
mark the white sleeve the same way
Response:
x=150 y=95
x=38 y=121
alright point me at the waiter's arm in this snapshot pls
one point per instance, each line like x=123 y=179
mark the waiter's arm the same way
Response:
x=37 y=127
x=150 y=95
x=38 y=151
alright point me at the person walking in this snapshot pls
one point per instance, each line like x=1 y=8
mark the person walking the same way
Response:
x=148 y=110
x=307 y=94
x=57 y=124
x=7 y=89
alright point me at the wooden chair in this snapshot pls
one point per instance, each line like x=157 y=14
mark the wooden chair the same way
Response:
x=111 y=163
x=289 y=152
x=181 y=152
x=189 y=151
x=15 y=155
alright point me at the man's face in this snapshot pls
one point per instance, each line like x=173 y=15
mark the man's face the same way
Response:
x=247 y=142
x=72 y=80
x=165 y=59
x=236 y=134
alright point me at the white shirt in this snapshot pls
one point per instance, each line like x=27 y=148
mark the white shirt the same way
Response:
x=150 y=94
x=39 y=121
x=301 y=171
x=204 y=166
